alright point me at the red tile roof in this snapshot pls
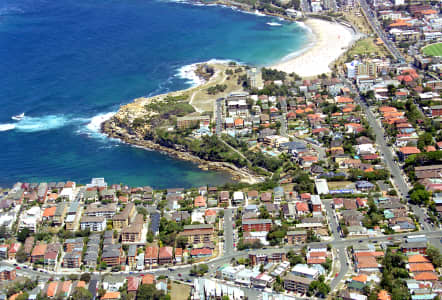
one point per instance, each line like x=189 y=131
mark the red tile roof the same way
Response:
x=426 y=276
x=421 y=267
x=409 y=150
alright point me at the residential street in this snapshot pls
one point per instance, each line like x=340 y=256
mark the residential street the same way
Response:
x=228 y=231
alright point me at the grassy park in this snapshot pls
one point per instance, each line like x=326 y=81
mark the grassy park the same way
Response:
x=433 y=50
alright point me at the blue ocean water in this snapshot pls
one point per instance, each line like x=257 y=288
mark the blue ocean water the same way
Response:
x=68 y=64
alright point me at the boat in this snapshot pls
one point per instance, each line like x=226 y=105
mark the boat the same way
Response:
x=18 y=117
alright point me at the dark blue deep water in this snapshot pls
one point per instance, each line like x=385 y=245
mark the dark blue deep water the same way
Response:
x=68 y=63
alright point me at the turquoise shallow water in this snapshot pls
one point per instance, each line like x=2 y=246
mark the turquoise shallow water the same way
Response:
x=67 y=64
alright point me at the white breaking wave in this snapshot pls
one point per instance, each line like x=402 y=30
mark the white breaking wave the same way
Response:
x=188 y=72
x=302 y=24
x=260 y=14
x=95 y=122
x=92 y=126
x=274 y=24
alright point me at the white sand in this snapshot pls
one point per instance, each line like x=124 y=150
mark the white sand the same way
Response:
x=331 y=40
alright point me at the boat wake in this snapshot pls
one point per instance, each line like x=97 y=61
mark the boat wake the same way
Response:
x=36 y=124
x=88 y=126
x=274 y=24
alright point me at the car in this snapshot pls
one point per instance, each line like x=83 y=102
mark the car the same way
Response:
x=25 y=267
x=188 y=280
x=15 y=264
x=34 y=268
x=336 y=275
x=360 y=241
x=41 y=271
x=17 y=268
x=179 y=274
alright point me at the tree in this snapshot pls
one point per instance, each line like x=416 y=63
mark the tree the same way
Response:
x=418 y=195
x=149 y=292
x=143 y=211
x=425 y=139
x=23 y=234
x=86 y=277
x=21 y=255
x=23 y=296
x=4 y=232
x=103 y=265
x=81 y=293
x=150 y=236
x=434 y=255
x=181 y=242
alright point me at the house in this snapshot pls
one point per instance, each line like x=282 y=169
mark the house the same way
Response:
x=113 y=283
x=72 y=260
x=224 y=198
x=132 y=233
x=165 y=255
x=201 y=252
x=302 y=208
x=201 y=233
x=416 y=247
x=52 y=289
x=238 y=198
x=12 y=252
x=178 y=255
x=111 y=296
x=252 y=195
x=364 y=186
x=132 y=255
x=266 y=197
x=405 y=152
x=367 y=264
x=296 y=283
x=7 y=273
x=38 y=253
x=296 y=237
x=112 y=255
x=210 y=216
x=256 y=225
x=93 y=223
x=122 y=219
x=51 y=254
x=151 y=255
x=305 y=271
x=199 y=201
x=132 y=285
x=98 y=210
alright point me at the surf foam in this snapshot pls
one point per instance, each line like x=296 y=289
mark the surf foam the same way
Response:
x=6 y=127
x=274 y=24
x=36 y=124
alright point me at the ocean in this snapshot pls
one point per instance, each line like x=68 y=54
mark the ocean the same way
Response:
x=68 y=65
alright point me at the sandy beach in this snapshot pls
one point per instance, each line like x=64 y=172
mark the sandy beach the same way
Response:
x=331 y=40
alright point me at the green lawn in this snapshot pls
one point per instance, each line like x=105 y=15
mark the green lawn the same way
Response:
x=433 y=50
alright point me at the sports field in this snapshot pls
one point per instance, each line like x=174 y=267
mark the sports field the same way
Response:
x=433 y=50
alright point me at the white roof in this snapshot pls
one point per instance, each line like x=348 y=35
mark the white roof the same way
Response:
x=238 y=195
x=321 y=186
x=315 y=199
x=305 y=270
